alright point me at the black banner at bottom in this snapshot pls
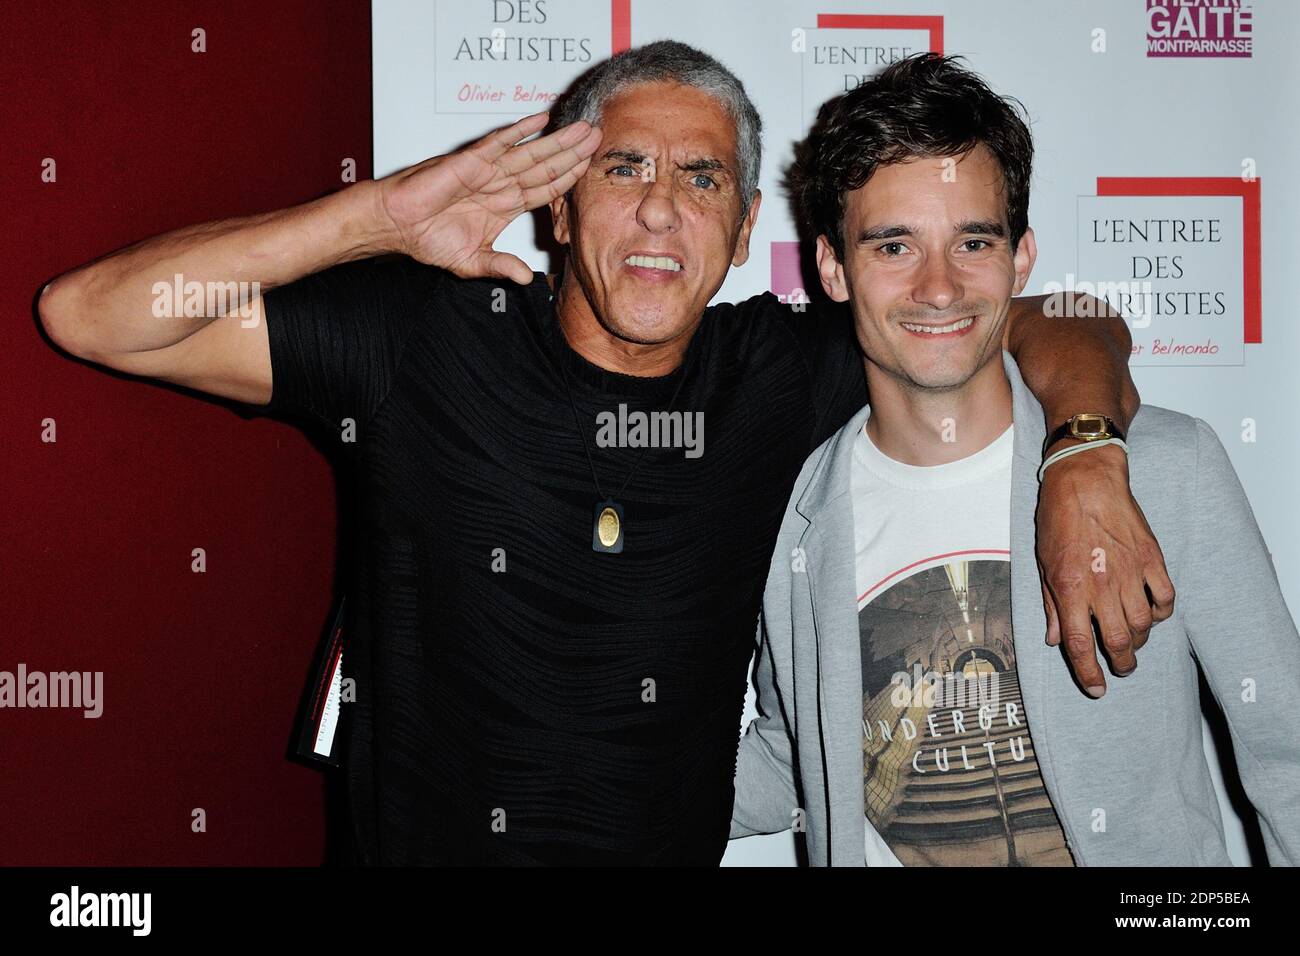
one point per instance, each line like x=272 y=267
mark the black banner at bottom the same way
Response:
x=335 y=905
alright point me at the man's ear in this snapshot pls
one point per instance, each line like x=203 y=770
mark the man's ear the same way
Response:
x=1023 y=261
x=1026 y=255
x=746 y=227
x=831 y=271
x=560 y=219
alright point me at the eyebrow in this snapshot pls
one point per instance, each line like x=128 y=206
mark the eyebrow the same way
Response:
x=975 y=227
x=694 y=166
x=627 y=155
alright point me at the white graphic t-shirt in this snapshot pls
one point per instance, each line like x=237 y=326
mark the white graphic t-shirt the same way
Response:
x=949 y=774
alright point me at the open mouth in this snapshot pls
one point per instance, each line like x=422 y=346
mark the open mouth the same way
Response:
x=661 y=264
x=952 y=329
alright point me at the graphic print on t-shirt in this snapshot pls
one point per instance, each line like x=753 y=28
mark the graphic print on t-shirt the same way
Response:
x=949 y=772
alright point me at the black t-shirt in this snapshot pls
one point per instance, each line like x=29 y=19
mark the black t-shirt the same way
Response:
x=522 y=698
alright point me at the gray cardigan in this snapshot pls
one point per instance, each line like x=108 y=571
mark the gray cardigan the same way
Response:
x=1136 y=754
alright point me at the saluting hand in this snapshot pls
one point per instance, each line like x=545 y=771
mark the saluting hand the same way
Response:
x=447 y=211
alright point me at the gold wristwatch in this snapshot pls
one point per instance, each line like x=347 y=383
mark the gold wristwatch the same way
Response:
x=1087 y=426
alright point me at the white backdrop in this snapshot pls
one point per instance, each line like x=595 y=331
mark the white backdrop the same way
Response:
x=1123 y=131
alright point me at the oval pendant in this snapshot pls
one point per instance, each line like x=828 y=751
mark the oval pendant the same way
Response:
x=608 y=527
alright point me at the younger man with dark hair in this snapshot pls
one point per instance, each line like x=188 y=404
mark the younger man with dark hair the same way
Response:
x=900 y=668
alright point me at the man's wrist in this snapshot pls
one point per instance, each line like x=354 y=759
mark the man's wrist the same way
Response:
x=367 y=229
x=1072 y=428
x=1110 y=455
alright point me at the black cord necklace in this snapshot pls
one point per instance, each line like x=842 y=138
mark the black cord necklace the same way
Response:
x=608 y=524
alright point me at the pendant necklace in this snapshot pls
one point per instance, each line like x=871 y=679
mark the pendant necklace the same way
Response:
x=608 y=523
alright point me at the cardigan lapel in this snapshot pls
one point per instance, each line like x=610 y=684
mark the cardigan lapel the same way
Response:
x=1034 y=659
x=828 y=545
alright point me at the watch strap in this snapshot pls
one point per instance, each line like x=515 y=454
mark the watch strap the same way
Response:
x=1085 y=427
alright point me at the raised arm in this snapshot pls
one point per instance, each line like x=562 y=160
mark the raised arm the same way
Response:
x=122 y=310
x=1074 y=358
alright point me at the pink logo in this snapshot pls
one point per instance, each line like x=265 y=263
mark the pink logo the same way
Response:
x=787 y=278
x=1201 y=28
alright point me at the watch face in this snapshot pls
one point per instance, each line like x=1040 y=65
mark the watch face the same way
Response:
x=1089 y=426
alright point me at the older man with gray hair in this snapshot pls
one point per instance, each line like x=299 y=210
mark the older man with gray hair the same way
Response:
x=550 y=636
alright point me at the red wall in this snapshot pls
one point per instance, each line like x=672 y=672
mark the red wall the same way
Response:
x=202 y=672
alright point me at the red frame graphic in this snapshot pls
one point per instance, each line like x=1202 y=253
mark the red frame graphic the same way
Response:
x=620 y=26
x=887 y=21
x=1211 y=186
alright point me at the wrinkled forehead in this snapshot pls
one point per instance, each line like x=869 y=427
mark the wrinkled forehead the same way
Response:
x=669 y=120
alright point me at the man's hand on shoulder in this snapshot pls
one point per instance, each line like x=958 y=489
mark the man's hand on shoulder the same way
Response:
x=1098 y=559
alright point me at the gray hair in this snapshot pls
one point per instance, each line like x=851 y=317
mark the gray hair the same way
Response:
x=672 y=62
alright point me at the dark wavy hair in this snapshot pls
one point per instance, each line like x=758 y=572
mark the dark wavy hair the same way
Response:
x=922 y=105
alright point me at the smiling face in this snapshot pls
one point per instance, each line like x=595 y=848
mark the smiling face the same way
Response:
x=928 y=267
x=656 y=222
